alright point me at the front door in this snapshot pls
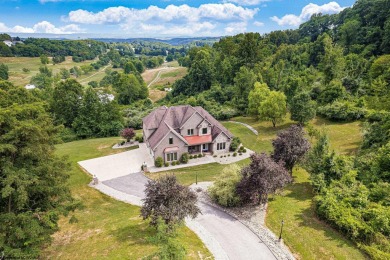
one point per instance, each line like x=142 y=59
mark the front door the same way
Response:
x=205 y=147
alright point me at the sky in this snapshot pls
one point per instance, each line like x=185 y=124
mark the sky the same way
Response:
x=159 y=18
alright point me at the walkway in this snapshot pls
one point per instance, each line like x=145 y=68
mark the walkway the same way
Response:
x=246 y=125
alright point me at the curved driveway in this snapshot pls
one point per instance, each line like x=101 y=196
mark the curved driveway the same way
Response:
x=226 y=237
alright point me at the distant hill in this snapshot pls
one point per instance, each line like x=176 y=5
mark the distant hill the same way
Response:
x=172 y=41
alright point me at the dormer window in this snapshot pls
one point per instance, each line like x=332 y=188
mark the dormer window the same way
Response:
x=204 y=131
x=190 y=132
x=170 y=140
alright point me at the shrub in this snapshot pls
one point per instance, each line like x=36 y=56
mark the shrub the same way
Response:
x=173 y=163
x=191 y=157
x=215 y=156
x=240 y=154
x=200 y=155
x=67 y=135
x=139 y=139
x=26 y=70
x=223 y=191
x=229 y=154
x=166 y=164
x=184 y=158
x=244 y=150
x=235 y=143
x=123 y=142
x=158 y=162
x=342 y=111
x=127 y=133
x=234 y=154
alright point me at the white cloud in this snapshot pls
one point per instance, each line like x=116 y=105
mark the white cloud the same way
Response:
x=41 y=27
x=171 y=13
x=173 y=20
x=246 y=2
x=235 y=28
x=258 y=24
x=307 y=12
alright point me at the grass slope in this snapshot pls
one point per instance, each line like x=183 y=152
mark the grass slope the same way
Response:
x=106 y=228
x=306 y=235
x=20 y=78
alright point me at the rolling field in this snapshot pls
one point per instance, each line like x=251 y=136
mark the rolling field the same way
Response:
x=18 y=77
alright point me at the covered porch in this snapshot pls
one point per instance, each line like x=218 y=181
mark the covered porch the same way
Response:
x=199 y=144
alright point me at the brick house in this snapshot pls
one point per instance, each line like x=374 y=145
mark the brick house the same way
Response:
x=171 y=131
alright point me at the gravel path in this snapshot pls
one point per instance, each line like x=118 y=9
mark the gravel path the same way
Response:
x=246 y=125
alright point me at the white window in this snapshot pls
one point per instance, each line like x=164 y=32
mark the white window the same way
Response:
x=221 y=146
x=190 y=132
x=171 y=157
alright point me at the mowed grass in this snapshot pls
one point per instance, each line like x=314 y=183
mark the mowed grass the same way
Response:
x=305 y=235
x=20 y=78
x=106 y=228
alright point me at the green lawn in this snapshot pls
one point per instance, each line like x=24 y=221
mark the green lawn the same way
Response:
x=304 y=233
x=106 y=228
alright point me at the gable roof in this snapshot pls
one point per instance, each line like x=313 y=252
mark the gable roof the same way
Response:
x=170 y=119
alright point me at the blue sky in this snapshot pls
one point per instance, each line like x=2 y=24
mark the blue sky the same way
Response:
x=161 y=18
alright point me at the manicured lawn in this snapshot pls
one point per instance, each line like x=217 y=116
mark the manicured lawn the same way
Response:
x=106 y=228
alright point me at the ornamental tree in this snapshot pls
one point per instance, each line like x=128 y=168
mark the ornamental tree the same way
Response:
x=168 y=200
x=263 y=176
x=128 y=134
x=290 y=146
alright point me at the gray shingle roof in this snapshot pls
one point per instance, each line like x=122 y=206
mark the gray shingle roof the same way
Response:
x=170 y=119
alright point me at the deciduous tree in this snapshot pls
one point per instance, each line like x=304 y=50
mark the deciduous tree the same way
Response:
x=290 y=146
x=168 y=200
x=273 y=108
x=303 y=109
x=263 y=176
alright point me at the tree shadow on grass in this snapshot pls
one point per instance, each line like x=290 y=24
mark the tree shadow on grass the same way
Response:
x=134 y=233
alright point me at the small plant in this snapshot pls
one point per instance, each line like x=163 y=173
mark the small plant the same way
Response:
x=166 y=164
x=184 y=158
x=122 y=143
x=229 y=154
x=221 y=156
x=158 y=162
x=244 y=150
x=234 y=154
x=173 y=163
x=191 y=157
x=240 y=154
x=215 y=156
x=200 y=155
x=25 y=70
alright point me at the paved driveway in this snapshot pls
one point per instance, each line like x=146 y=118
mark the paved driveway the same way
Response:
x=117 y=165
x=230 y=238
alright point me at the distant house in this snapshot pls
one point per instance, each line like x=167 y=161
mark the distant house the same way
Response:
x=8 y=43
x=171 y=131
x=104 y=97
x=30 y=86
